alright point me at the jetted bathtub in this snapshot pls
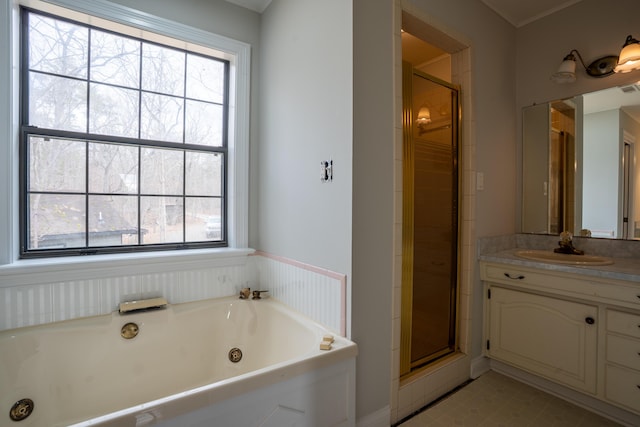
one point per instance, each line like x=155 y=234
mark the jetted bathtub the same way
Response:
x=181 y=368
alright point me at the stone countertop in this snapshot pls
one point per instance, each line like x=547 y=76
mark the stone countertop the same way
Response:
x=622 y=269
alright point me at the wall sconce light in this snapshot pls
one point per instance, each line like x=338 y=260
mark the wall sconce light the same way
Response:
x=601 y=67
x=629 y=56
x=423 y=119
x=628 y=60
x=566 y=71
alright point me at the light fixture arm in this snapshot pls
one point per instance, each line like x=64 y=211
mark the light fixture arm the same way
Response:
x=600 y=67
x=630 y=40
x=628 y=60
x=570 y=57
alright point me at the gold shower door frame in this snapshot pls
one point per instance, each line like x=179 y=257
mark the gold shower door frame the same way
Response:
x=561 y=197
x=407 y=365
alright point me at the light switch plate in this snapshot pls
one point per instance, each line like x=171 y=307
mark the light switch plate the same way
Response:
x=326 y=170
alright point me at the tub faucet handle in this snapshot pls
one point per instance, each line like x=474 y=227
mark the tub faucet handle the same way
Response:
x=256 y=294
x=244 y=293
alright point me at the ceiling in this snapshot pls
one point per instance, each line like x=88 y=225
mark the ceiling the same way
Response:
x=255 y=5
x=417 y=52
x=522 y=12
x=517 y=12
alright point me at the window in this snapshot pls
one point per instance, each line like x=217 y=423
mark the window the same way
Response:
x=123 y=142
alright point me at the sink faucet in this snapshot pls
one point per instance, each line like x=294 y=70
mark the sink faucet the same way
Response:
x=566 y=245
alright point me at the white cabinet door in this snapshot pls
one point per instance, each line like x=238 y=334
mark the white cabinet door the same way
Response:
x=546 y=336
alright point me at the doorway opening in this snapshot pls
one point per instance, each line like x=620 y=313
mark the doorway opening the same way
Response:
x=450 y=61
x=430 y=219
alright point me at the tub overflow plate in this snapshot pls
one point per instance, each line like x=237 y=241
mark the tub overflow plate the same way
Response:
x=235 y=355
x=129 y=330
x=21 y=409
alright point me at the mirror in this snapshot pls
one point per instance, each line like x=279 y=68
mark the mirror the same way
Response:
x=579 y=170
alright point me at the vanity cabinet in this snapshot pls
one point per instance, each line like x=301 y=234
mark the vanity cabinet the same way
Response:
x=581 y=332
x=622 y=369
x=547 y=336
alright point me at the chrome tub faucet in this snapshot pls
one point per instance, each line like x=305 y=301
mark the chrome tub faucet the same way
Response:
x=256 y=294
x=244 y=293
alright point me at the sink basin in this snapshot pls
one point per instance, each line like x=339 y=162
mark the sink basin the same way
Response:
x=568 y=259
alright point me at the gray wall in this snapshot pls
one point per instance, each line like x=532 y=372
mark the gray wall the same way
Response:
x=305 y=116
x=373 y=186
x=601 y=163
x=591 y=27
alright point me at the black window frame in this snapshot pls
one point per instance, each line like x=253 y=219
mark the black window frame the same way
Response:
x=27 y=131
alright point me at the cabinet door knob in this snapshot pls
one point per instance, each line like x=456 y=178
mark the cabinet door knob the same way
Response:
x=520 y=277
x=590 y=320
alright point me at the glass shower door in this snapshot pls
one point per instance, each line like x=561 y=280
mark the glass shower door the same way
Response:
x=430 y=221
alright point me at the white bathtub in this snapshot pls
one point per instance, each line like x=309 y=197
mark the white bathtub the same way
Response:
x=177 y=371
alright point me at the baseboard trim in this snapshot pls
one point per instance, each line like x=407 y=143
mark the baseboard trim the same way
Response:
x=479 y=366
x=380 y=418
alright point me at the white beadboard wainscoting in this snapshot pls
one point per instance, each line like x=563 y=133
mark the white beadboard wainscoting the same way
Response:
x=318 y=293
x=33 y=293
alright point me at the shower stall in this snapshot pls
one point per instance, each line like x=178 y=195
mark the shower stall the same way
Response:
x=430 y=220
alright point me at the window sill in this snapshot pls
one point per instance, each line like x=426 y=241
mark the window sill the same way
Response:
x=51 y=270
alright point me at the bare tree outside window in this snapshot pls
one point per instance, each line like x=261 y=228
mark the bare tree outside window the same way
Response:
x=123 y=140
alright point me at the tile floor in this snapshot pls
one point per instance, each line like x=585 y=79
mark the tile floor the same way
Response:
x=494 y=400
